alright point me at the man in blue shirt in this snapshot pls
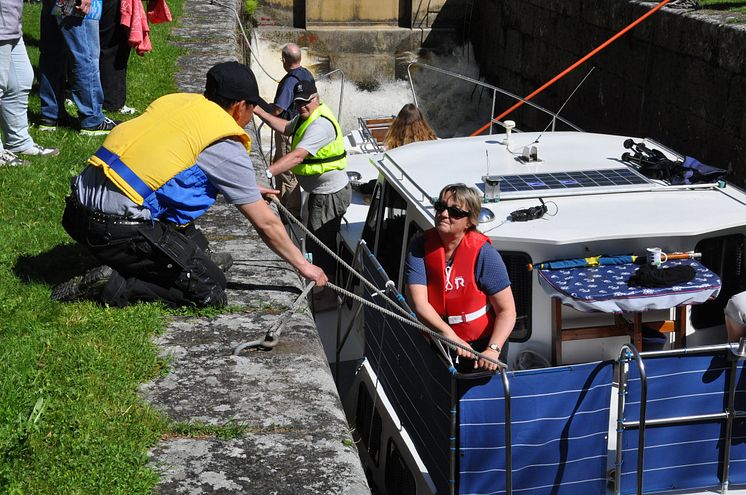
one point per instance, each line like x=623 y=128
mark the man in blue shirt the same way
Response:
x=284 y=107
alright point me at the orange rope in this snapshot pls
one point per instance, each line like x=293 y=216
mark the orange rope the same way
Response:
x=573 y=66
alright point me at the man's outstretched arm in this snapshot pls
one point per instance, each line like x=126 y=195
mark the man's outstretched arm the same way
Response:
x=277 y=123
x=273 y=233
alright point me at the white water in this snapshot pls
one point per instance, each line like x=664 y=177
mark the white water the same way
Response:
x=452 y=107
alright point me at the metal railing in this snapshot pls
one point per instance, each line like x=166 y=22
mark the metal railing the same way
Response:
x=729 y=415
x=495 y=90
x=328 y=76
x=627 y=354
x=503 y=372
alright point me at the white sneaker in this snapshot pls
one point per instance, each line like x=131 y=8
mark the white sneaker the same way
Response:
x=100 y=130
x=127 y=110
x=39 y=150
x=9 y=159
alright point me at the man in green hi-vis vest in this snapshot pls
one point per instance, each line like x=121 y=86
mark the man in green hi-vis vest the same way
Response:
x=317 y=158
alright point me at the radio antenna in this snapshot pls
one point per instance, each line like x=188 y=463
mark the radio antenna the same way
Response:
x=554 y=118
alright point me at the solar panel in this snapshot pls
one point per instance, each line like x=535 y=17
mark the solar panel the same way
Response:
x=571 y=180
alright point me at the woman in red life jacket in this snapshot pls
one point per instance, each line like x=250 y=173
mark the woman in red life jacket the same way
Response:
x=457 y=282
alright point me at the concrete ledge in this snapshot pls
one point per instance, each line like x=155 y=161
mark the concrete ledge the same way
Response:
x=297 y=438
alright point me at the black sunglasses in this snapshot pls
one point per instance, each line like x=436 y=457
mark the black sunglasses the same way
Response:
x=453 y=212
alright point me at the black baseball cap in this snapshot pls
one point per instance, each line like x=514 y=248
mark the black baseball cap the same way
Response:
x=234 y=81
x=304 y=91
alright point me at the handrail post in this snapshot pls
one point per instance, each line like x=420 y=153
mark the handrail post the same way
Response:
x=452 y=440
x=494 y=106
x=627 y=353
x=734 y=356
x=411 y=85
x=341 y=88
x=508 y=434
x=341 y=95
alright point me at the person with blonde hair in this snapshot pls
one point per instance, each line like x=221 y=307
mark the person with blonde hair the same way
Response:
x=457 y=282
x=408 y=126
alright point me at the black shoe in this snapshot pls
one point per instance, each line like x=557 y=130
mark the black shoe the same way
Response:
x=47 y=124
x=90 y=285
x=102 y=129
x=223 y=260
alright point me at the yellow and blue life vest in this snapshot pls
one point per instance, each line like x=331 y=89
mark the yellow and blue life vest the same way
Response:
x=330 y=157
x=152 y=158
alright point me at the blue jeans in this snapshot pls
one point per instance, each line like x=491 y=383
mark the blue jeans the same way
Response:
x=69 y=40
x=16 y=78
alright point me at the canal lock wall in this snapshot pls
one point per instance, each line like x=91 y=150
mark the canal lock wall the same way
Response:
x=679 y=77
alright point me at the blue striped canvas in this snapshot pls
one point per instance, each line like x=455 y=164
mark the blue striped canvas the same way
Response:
x=560 y=419
x=682 y=456
x=738 y=449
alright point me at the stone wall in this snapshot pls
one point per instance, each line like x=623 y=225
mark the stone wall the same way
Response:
x=392 y=13
x=679 y=77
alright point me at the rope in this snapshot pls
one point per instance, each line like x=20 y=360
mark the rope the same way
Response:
x=272 y=338
x=246 y=38
x=572 y=67
x=414 y=324
x=331 y=253
x=407 y=319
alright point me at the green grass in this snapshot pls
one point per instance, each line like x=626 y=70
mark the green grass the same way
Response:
x=725 y=5
x=250 y=6
x=70 y=417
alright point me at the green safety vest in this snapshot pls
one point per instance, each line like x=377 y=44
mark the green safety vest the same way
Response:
x=330 y=157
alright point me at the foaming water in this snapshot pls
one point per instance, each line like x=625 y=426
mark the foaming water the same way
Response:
x=387 y=99
x=452 y=106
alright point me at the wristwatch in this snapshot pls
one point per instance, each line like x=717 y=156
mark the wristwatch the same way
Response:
x=495 y=348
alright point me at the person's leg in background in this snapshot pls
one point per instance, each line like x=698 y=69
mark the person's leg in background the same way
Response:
x=81 y=37
x=115 y=53
x=53 y=54
x=16 y=78
x=15 y=86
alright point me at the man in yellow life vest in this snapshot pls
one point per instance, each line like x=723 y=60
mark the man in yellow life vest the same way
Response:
x=134 y=204
x=317 y=158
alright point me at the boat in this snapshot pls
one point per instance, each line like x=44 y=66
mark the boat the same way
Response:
x=610 y=411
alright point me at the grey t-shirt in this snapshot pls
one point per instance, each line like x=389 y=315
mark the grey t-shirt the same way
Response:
x=320 y=133
x=225 y=163
x=10 y=19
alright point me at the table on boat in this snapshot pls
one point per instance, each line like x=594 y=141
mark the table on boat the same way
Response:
x=605 y=289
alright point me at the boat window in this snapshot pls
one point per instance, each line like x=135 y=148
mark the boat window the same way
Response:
x=725 y=256
x=399 y=479
x=521 y=285
x=387 y=245
x=368 y=423
x=369 y=229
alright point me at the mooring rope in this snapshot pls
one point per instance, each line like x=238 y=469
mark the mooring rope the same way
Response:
x=272 y=337
x=331 y=253
x=407 y=319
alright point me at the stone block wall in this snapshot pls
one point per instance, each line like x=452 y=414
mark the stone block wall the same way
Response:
x=679 y=77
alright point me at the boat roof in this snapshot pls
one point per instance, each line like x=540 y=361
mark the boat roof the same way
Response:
x=591 y=193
